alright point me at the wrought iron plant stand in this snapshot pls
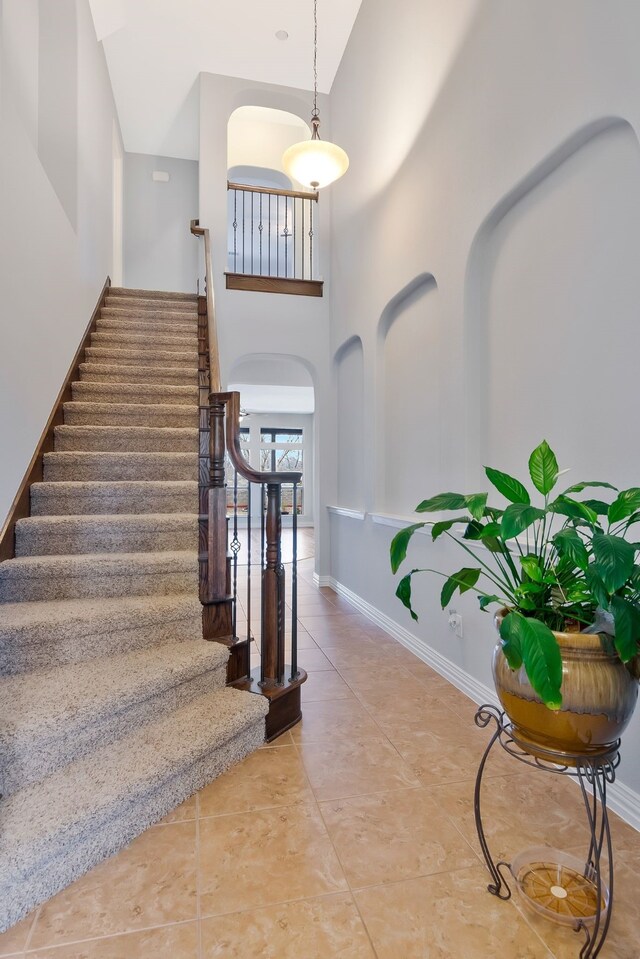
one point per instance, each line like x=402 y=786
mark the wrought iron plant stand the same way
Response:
x=593 y=774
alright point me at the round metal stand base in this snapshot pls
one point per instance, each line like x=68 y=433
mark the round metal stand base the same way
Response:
x=552 y=883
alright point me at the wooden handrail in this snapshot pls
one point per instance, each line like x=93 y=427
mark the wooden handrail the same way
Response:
x=297 y=194
x=214 y=354
x=232 y=403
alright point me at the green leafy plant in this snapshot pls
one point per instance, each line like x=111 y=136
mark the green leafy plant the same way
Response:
x=563 y=563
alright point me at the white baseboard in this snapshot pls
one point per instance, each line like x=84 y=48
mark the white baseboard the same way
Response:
x=324 y=581
x=621 y=799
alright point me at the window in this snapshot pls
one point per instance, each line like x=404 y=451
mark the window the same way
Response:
x=281 y=450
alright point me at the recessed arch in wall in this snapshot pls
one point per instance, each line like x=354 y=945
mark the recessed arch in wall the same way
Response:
x=408 y=459
x=348 y=366
x=260 y=228
x=257 y=136
x=551 y=308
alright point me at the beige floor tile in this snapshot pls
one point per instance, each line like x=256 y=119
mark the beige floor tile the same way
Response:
x=285 y=739
x=335 y=720
x=182 y=813
x=268 y=777
x=305 y=640
x=169 y=942
x=446 y=757
x=312 y=609
x=519 y=811
x=349 y=620
x=14 y=940
x=404 y=714
x=340 y=636
x=448 y=916
x=325 y=685
x=355 y=768
x=363 y=653
x=313 y=659
x=396 y=835
x=269 y=856
x=325 y=928
x=371 y=679
x=151 y=882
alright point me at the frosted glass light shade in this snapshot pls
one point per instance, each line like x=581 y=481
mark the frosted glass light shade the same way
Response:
x=315 y=163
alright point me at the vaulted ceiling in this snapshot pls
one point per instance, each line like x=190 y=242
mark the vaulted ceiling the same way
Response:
x=155 y=50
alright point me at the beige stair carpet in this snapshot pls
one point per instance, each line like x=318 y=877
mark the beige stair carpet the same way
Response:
x=113 y=709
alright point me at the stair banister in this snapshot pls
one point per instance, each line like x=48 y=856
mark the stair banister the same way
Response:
x=220 y=437
x=214 y=355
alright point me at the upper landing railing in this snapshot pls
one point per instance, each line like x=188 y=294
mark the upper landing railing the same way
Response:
x=272 y=238
x=276 y=674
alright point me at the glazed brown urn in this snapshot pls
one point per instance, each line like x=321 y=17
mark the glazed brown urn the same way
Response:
x=599 y=694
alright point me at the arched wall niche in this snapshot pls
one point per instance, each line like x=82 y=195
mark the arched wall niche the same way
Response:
x=551 y=308
x=350 y=427
x=408 y=440
x=258 y=135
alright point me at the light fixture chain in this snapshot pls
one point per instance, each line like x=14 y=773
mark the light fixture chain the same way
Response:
x=315 y=58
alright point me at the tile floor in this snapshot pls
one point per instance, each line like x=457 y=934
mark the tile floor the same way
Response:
x=351 y=836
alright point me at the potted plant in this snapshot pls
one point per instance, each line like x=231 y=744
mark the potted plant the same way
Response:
x=563 y=573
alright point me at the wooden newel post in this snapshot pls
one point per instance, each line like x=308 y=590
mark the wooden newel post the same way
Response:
x=273 y=585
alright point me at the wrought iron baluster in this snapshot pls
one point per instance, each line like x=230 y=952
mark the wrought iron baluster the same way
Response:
x=295 y=238
x=235 y=231
x=249 y=638
x=286 y=236
x=311 y=239
x=260 y=229
x=277 y=235
x=262 y=568
x=294 y=587
x=252 y=195
x=235 y=549
x=302 y=241
x=269 y=222
x=243 y=226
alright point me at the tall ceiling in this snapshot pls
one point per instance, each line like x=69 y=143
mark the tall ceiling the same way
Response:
x=155 y=50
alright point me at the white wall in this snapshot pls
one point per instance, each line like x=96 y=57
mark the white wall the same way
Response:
x=262 y=324
x=159 y=251
x=496 y=149
x=55 y=210
x=258 y=137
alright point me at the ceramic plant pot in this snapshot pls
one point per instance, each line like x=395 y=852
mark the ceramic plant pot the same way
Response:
x=599 y=695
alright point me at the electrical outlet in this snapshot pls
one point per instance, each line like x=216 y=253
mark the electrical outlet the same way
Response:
x=455 y=623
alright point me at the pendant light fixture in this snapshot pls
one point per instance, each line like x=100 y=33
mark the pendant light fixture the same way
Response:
x=315 y=163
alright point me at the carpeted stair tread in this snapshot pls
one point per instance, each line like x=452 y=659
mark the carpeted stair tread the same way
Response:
x=122 y=496
x=49 y=535
x=37 y=578
x=120 y=466
x=141 y=325
x=125 y=439
x=57 y=829
x=129 y=293
x=172 y=415
x=112 y=706
x=52 y=717
x=142 y=357
x=153 y=394
x=169 y=342
x=43 y=635
x=158 y=312
x=112 y=373
x=166 y=302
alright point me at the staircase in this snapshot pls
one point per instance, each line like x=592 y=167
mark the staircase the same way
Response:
x=113 y=709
